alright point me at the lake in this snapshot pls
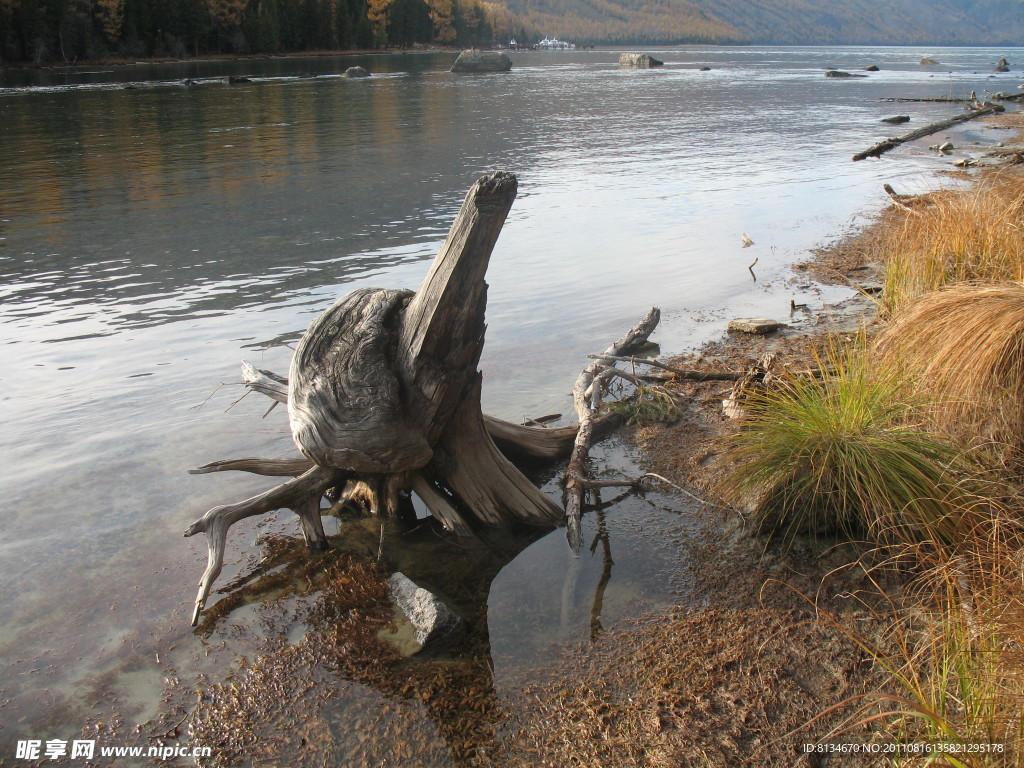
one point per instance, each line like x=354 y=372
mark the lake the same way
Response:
x=155 y=233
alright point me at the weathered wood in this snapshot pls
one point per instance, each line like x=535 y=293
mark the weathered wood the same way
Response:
x=383 y=398
x=882 y=147
x=470 y=464
x=269 y=467
x=216 y=522
x=442 y=331
x=574 y=481
x=520 y=444
x=682 y=373
x=346 y=406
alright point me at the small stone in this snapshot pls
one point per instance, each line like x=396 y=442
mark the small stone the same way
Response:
x=759 y=325
x=430 y=616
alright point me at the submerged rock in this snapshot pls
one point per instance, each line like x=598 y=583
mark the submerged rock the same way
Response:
x=841 y=73
x=928 y=62
x=896 y=119
x=431 y=618
x=482 y=61
x=638 y=60
x=356 y=72
x=759 y=325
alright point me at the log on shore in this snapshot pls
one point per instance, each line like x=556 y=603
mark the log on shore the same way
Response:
x=882 y=147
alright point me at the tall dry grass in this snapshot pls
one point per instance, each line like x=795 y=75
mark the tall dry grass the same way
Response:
x=964 y=348
x=963 y=236
x=953 y=652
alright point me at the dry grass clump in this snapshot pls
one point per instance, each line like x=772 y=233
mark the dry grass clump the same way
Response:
x=954 y=654
x=975 y=235
x=842 y=453
x=964 y=347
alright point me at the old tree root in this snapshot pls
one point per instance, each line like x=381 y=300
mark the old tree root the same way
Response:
x=383 y=398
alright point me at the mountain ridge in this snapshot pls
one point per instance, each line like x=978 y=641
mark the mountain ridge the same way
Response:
x=774 y=22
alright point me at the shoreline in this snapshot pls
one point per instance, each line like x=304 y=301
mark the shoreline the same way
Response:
x=217 y=57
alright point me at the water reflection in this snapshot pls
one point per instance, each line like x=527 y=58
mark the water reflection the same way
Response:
x=313 y=629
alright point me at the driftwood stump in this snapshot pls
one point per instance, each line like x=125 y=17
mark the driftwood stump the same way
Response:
x=383 y=398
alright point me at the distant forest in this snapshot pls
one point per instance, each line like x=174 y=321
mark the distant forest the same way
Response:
x=65 y=31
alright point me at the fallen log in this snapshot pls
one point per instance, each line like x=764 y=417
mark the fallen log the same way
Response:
x=682 y=373
x=575 y=480
x=884 y=146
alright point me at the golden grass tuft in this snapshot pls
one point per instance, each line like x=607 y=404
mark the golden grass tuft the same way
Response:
x=843 y=454
x=964 y=236
x=964 y=348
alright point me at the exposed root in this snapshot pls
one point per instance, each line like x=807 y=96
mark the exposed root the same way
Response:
x=269 y=467
x=216 y=522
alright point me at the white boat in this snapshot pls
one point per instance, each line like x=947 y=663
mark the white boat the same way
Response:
x=554 y=44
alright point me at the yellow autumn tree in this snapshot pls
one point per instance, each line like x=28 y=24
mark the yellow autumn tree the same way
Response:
x=227 y=13
x=377 y=13
x=111 y=17
x=442 y=14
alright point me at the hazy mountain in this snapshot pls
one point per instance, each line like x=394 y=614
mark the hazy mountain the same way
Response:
x=791 y=22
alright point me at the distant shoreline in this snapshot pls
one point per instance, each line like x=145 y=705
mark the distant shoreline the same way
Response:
x=219 y=57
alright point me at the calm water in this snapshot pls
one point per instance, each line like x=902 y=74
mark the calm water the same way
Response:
x=153 y=236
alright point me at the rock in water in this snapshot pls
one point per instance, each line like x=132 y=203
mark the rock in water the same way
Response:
x=841 y=73
x=928 y=62
x=760 y=325
x=896 y=119
x=638 y=60
x=871 y=68
x=430 y=617
x=482 y=61
x=356 y=72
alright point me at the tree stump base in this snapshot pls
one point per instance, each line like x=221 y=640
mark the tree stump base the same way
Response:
x=383 y=398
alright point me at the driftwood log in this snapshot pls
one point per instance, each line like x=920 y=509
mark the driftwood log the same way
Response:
x=884 y=146
x=383 y=398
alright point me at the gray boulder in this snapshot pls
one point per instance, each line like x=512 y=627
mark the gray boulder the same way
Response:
x=431 y=618
x=356 y=72
x=482 y=61
x=638 y=61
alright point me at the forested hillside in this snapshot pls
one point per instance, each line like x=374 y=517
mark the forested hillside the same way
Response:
x=64 y=31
